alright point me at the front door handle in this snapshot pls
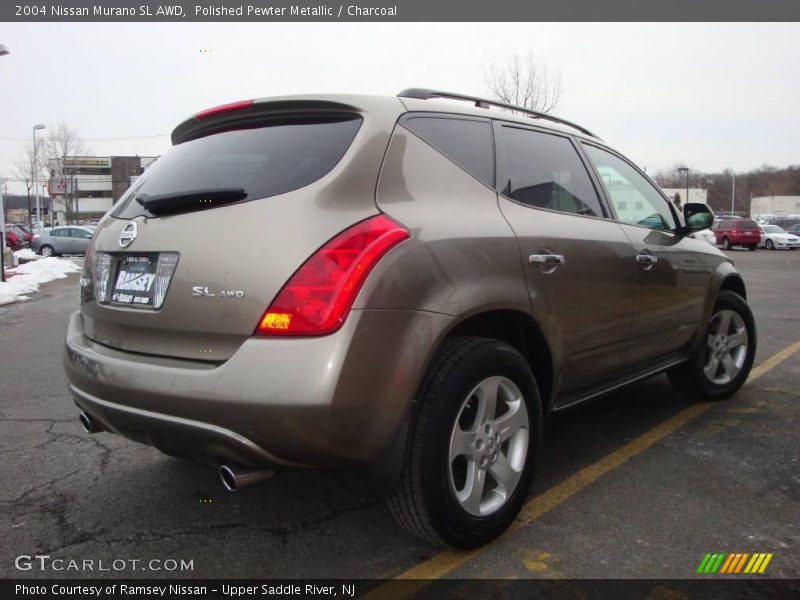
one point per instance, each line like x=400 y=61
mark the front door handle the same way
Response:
x=547 y=259
x=646 y=260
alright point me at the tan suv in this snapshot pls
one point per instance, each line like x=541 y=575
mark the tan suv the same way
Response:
x=396 y=287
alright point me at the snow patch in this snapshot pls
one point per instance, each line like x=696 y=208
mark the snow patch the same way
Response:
x=26 y=279
x=26 y=254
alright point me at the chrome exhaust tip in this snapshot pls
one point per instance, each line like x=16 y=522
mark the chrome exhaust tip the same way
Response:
x=88 y=423
x=235 y=478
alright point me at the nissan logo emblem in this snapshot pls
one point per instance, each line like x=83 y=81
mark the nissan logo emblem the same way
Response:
x=128 y=234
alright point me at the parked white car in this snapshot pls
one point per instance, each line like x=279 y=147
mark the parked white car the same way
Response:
x=774 y=238
x=707 y=235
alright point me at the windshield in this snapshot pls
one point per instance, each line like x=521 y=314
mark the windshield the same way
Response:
x=261 y=162
x=772 y=229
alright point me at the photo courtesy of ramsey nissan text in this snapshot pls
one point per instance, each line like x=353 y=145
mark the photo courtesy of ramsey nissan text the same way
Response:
x=409 y=300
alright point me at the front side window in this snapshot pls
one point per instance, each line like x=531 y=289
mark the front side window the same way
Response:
x=544 y=171
x=635 y=199
x=468 y=143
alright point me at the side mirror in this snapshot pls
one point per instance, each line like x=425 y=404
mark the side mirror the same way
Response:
x=698 y=216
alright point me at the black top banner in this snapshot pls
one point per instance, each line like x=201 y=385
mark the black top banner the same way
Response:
x=402 y=10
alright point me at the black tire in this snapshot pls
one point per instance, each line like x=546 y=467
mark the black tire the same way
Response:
x=769 y=245
x=690 y=379
x=425 y=503
x=47 y=250
x=726 y=244
x=752 y=247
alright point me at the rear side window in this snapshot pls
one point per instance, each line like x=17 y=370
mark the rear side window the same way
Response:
x=544 y=171
x=466 y=142
x=264 y=161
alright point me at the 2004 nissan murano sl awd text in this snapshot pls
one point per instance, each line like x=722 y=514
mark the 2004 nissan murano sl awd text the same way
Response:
x=396 y=287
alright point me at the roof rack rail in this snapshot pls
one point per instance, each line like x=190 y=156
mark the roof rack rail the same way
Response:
x=426 y=94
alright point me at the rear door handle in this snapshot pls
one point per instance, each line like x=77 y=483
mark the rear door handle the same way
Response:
x=547 y=259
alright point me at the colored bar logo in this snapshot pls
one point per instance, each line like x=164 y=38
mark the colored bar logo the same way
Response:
x=734 y=563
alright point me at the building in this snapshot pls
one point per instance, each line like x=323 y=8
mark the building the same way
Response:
x=695 y=194
x=16 y=207
x=90 y=185
x=776 y=206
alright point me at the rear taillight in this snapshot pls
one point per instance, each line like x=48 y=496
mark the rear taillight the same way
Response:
x=317 y=298
x=223 y=108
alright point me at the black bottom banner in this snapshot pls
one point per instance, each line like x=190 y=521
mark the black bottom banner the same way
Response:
x=551 y=589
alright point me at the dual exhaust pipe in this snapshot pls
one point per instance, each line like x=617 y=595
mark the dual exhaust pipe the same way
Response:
x=233 y=477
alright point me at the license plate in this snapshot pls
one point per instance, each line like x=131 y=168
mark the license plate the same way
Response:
x=135 y=280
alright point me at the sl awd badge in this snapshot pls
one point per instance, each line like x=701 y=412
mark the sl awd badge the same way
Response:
x=128 y=234
x=203 y=292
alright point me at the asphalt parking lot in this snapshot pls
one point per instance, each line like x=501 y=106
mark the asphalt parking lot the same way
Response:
x=638 y=484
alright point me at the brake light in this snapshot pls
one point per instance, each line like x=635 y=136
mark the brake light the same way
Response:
x=318 y=297
x=223 y=108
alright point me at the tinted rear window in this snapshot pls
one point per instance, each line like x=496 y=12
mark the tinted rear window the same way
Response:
x=466 y=142
x=746 y=225
x=264 y=161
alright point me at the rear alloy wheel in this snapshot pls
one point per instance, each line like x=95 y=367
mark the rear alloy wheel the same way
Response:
x=726 y=244
x=723 y=363
x=470 y=458
x=769 y=245
x=46 y=251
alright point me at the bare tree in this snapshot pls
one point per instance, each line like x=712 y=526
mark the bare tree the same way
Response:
x=24 y=169
x=63 y=141
x=525 y=81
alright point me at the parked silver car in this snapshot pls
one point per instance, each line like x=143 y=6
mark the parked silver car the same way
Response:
x=63 y=240
x=418 y=283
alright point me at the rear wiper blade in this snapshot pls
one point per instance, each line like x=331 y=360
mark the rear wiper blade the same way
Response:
x=164 y=204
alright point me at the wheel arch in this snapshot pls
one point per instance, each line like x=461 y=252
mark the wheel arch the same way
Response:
x=521 y=331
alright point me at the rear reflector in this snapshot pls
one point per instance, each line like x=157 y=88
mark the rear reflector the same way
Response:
x=318 y=297
x=223 y=108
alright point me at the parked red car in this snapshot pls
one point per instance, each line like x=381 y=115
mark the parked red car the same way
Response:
x=737 y=232
x=26 y=230
x=14 y=240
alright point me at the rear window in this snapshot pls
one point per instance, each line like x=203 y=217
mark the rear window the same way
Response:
x=264 y=161
x=746 y=225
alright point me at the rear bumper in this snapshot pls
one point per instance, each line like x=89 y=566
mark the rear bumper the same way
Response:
x=330 y=401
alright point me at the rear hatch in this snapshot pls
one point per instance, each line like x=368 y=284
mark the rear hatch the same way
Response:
x=187 y=261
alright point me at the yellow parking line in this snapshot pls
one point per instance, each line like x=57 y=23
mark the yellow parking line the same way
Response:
x=443 y=563
x=773 y=361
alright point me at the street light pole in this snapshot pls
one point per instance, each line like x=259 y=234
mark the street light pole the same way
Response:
x=35 y=173
x=685 y=170
x=733 y=192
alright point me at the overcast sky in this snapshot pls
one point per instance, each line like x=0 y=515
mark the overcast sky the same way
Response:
x=711 y=95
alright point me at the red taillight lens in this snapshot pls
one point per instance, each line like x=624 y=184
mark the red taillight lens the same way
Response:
x=317 y=298
x=223 y=108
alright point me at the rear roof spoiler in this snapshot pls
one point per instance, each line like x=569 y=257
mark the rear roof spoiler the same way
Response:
x=249 y=113
x=426 y=94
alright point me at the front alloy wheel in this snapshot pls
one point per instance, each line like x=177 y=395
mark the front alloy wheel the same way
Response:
x=723 y=362
x=727 y=347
